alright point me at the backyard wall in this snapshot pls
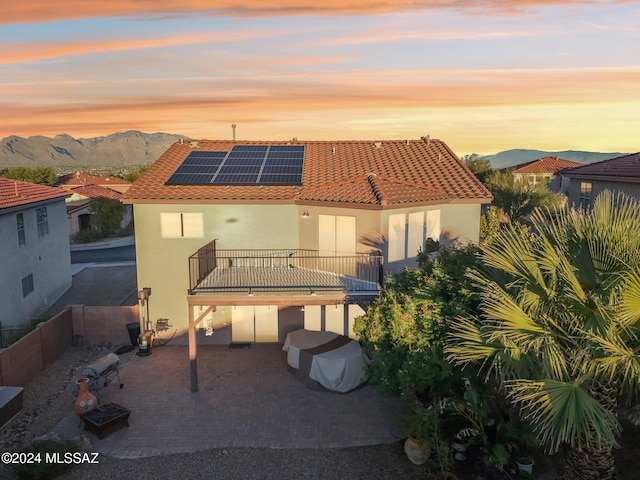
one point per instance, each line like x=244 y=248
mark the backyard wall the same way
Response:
x=78 y=325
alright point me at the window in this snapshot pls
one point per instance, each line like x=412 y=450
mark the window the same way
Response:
x=336 y=235
x=43 y=221
x=408 y=232
x=27 y=285
x=22 y=239
x=181 y=225
x=585 y=195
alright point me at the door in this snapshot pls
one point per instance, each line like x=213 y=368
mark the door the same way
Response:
x=254 y=324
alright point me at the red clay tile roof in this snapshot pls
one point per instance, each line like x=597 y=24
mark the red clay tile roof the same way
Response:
x=627 y=166
x=95 y=191
x=15 y=193
x=387 y=172
x=546 y=165
x=72 y=180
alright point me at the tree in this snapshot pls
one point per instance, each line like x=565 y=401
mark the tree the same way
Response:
x=134 y=175
x=519 y=199
x=106 y=214
x=39 y=175
x=558 y=329
x=480 y=166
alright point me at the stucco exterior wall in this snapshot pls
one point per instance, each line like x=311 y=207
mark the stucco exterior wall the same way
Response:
x=162 y=263
x=598 y=186
x=47 y=258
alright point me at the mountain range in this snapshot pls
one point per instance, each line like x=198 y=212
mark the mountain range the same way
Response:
x=116 y=150
x=133 y=148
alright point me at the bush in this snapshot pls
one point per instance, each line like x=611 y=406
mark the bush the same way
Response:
x=87 y=236
x=43 y=470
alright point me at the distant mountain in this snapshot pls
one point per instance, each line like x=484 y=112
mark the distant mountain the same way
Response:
x=509 y=158
x=115 y=150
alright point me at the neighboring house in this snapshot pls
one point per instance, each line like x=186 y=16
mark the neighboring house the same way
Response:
x=618 y=174
x=78 y=214
x=34 y=250
x=251 y=240
x=80 y=179
x=547 y=169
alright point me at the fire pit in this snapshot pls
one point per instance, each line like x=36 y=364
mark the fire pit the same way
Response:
x=106 y=419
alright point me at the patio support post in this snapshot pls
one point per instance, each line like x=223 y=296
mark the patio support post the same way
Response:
x=193 y=352
x=193 y=348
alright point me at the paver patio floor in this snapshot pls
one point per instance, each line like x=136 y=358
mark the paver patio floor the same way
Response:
x=246 y=398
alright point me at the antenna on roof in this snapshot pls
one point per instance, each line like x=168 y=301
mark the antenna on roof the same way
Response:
x=233 y=127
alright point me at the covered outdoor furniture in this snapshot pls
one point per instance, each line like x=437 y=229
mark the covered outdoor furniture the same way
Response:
x=335 y=362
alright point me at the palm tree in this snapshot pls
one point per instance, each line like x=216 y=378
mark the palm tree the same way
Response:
x=559 y=326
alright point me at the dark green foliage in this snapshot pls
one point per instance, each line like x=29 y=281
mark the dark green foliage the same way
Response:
x=106 y=214
x=46 y=470
x=519 y=199
x=480 y=166
x=39 y=175
x=133 y=176
x=87 y=236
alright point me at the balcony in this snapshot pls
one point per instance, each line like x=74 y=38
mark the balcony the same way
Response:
x=214 y=271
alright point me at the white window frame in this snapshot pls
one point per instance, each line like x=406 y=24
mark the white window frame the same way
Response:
x=42 y=221
x=27 y=285
x=22 y=236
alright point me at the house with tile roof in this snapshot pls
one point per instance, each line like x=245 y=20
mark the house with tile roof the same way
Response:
x=80 y=179
x=34 y=250
x=83 y=188
x=548 y=170
x=78 y=212
x=618 y=174
x=245 y=241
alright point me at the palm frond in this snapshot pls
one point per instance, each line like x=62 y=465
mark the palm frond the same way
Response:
x=564 y=412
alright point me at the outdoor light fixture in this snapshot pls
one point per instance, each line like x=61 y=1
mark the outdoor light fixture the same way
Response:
x=250 y=294
x=305 y=214
x=312 y=292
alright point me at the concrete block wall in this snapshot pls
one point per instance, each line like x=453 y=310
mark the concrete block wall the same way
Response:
x=77 y=324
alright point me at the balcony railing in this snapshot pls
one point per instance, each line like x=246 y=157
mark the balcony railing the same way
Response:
x=281 y=270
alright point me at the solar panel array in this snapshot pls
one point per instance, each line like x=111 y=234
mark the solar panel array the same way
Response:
x=243 y=165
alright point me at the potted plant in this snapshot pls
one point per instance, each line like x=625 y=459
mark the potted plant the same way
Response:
x=525 y=464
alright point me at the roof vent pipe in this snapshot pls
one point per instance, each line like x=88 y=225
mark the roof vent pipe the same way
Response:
x=333 y=150
x=233 y=127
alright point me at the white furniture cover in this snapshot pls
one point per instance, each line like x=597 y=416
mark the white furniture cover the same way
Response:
x=334 y=361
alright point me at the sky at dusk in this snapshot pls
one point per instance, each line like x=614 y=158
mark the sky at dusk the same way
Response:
x=483 y=76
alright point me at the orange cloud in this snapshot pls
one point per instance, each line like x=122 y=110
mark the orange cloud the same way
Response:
x=35 y=11
x=19 y=53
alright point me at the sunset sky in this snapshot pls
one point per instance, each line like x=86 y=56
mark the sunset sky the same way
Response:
x=483 y=76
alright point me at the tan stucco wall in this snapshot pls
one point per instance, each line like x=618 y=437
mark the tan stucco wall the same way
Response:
x=46 y=258
x=162 y=263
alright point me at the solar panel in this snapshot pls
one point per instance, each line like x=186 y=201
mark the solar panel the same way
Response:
x=198 y=168
x=243 y=165
x=262 y=165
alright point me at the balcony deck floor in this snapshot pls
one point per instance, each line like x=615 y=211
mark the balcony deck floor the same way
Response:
x=230 y=279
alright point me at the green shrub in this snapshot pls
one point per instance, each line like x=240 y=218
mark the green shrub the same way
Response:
x=44 y=470
x=87 y=236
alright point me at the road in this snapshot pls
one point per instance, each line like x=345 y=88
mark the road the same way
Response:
x=102 y=255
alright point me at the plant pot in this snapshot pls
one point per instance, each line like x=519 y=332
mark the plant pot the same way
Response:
x=85 y=400
x=417 y=453
x=525 y=465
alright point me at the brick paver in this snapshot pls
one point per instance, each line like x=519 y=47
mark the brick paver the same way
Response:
x=246 y=398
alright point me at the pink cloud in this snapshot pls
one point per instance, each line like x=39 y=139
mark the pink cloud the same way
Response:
x=33 y=11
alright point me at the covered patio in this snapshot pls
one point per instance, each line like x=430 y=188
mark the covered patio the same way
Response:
x=247 y=399
x=281 y=278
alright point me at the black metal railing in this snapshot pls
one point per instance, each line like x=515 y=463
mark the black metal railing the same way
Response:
x=281 y=270
x=202 y=263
